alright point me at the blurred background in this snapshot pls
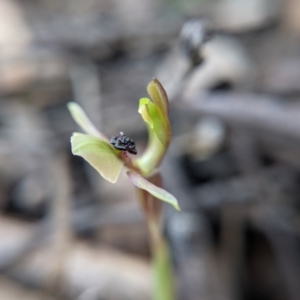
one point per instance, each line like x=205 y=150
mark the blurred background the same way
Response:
x=231 y=69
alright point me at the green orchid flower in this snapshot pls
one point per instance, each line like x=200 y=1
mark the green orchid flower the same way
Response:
x=96 y=149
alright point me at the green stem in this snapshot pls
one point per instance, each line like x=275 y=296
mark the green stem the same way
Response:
x=162 y=265
x=163 y=273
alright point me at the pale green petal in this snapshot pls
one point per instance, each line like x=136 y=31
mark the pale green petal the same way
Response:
x=158 y=95
x=144 y=111
x=155 y=113
x=83 y=121
x=99 y=154
x=154 y=190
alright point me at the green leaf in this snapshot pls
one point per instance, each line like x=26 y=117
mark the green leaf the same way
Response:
x=99 y=154
x=83 y=121
x=154 y=190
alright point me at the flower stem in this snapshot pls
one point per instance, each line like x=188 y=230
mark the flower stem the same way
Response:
x=163 y=273
x=162 y=265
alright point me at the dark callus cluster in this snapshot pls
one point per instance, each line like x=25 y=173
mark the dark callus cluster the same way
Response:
x=124 y=143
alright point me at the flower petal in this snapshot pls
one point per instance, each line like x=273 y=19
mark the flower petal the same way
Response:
x=83 y=121
x=155 y=115
x=158 y=95
x=99 y=154
x=144 y=111
x=154 y=190
x=156 y=120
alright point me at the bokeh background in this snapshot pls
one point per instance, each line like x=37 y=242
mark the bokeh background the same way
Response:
x=232 y=72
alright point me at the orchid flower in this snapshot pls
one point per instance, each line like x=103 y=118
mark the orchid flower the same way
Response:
x=97 y=150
